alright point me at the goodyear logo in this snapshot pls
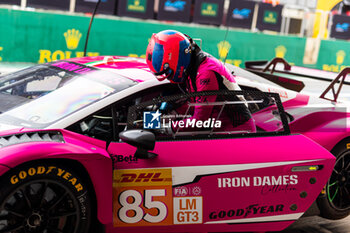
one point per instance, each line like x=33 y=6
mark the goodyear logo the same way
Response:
x=142 y=177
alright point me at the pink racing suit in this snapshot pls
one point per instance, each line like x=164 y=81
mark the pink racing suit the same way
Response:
x=212 y=75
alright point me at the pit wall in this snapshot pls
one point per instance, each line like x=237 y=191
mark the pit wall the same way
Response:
x=39 y=37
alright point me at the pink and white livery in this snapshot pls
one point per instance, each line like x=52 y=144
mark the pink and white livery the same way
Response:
x=88 y=145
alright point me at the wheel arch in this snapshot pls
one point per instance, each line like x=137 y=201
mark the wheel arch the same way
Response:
x=94 y=171
x=341 y=145
x=325 y=208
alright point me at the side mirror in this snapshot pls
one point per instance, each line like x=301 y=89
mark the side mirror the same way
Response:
x=142 y=140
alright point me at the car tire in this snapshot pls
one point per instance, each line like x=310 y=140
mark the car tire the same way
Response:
x=335 y=202
x=44 y=197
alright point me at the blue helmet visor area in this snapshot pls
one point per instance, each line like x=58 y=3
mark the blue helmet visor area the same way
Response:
x=165 y=74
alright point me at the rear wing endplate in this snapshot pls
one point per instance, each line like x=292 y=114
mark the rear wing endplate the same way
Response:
x=335 y=91
x=261 y=68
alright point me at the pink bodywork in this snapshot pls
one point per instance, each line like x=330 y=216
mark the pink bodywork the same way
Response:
x=245 y=159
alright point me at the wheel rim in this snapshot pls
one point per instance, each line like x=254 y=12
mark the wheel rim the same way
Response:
x=40 y=206
x=338 y=186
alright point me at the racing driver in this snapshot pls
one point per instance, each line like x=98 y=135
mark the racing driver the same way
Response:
x=174 y=56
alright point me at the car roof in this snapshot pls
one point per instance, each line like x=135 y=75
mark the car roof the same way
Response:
x=132 y=68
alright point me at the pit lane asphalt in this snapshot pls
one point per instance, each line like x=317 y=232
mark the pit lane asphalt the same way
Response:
x=316 y=224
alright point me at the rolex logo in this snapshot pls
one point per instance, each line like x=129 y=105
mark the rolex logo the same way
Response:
x=224 y=47
x=72 y=37
x=280 y=51
x=340 y=57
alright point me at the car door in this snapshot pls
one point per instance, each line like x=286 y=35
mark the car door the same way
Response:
x=212 y=178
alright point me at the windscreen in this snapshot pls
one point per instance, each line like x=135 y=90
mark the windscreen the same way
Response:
x=40 y=95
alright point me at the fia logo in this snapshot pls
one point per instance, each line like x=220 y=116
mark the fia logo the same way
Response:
x=151 y=120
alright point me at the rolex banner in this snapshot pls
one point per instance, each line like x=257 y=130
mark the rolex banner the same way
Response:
x=208 y=11
x=143 y=9
x=240 y=14
x=49 y=4
x=87 y=6
x=174 y=10
x=340 y=27
x=12 y=2
x=269 y=17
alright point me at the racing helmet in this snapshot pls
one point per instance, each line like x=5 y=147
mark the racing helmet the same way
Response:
x=168 y=55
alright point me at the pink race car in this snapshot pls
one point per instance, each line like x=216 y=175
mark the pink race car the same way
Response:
x=99 y=145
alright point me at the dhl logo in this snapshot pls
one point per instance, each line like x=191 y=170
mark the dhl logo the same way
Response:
x=142 y=177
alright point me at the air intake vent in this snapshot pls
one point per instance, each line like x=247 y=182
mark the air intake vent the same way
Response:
x=45 y=136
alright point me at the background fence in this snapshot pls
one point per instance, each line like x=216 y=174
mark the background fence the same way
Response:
x=42 y=36
x=289 y=17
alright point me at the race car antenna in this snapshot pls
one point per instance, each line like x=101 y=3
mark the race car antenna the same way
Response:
x=91 y=20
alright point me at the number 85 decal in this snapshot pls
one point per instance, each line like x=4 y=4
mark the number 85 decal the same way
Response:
x=131 y=210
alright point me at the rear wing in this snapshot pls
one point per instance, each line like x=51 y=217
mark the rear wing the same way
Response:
x=336 y=90
x=267 y=69
x=278 y=68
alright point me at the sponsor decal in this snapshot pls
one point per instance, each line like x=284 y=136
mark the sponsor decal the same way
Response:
x=342 y=27
x=280 y=51
x=257 y=181
x=45 y=170
x=241 y=13
x=196 y=190
x=126 y=159
x=276 y=189
x=282 y=93
x=181 y=191
x=83 y=204
x=209 y=9
x=246 y=212
x=340 y=58
x=174 y=6
x=224 y=48
x=187 y=191
x=72 y=67
x=205 y=82
x=188 y=210
x=72 y=37
x=142 y=197
x=72 y=40
x=137 y=5
x=143 y=177
x=270 y=17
